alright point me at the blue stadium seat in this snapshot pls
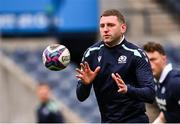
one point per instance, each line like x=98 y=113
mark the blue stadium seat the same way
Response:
x=173 y=55
x=174 y=4
x=63 y=83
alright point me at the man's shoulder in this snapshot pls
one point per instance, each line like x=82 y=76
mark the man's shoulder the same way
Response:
x=173 y=82
x=131 y=45
x=134 y=49
x=94 y=48
x=174 y=79
x=97 y=44
x=174 y=74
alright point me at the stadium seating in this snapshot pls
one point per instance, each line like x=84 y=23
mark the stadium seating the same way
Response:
x=63 y=83
x=173 y=55
x=174 y=4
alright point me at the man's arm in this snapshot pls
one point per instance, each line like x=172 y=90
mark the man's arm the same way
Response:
x=145 y=90
x=86 y=77
x=160 y=119
x=144 y=94
x=83 y=91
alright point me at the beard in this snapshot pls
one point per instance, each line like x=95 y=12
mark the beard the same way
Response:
x=112 y=41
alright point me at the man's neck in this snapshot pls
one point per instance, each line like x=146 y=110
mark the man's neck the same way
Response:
x=117 y=43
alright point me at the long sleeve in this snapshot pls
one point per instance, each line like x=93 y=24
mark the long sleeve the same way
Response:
x=145 y=89
x=146 y=93
x=83 y=91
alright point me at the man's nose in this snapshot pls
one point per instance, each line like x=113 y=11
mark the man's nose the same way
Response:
x=152 y=66
x=106 y=28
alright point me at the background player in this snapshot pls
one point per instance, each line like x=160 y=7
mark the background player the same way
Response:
x=167 y=84
x=48 y=110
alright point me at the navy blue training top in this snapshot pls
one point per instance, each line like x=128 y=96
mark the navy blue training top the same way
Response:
x=168 y=96
x=131 y=63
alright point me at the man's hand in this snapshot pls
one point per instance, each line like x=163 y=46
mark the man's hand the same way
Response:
x=160 y=119
x=86 y=74
x=120 y=83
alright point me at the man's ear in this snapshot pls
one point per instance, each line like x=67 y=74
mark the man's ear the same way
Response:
x=165 y=58
x=123 y=28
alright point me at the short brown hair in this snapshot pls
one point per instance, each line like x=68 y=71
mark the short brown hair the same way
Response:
x=114 y=12
x=152 y=47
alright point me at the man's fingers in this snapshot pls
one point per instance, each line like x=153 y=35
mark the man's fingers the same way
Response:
x=82 y=66
x=79 y=71
x=97 y=69
x=118 y=75
x=86 y=65
x=80 y=77
x=113 y=76
x=119 y=90
x=120 y=81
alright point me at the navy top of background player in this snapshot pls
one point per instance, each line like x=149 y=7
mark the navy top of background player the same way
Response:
x=119 y=72
x=167 y=84
x=48 y=110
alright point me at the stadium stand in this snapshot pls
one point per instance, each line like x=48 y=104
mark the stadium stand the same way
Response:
x=18 y=99
x=148 y=16
x=171 y=4
x=173 y=55
x=63 y=83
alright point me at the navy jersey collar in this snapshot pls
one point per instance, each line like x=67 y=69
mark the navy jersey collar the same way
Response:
x=121 y=40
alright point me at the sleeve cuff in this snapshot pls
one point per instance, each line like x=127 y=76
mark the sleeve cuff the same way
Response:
x=129 y=90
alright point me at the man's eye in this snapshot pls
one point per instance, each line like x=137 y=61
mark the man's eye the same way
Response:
x=110 y=25
x=102 y=25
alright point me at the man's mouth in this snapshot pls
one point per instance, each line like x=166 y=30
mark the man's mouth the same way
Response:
x=107 y=36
